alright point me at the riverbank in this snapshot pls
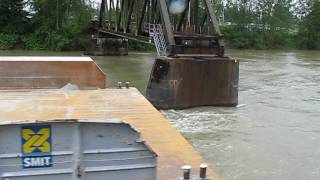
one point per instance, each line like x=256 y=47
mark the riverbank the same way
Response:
x=241 y=41
x=79 y=43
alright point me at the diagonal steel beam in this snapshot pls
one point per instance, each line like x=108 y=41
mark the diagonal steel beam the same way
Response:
x=215 y=26
x=167 y=24
x=144 y=8
x=131 y=4
x=213 y=18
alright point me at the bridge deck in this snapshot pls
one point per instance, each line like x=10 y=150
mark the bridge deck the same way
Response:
x=123 y=104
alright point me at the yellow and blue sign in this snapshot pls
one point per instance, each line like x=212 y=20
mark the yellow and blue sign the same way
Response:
x=36 y=146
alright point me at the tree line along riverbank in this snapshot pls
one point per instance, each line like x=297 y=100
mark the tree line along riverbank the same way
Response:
x=60 y=25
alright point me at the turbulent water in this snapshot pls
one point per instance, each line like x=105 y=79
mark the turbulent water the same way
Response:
x=274 y=133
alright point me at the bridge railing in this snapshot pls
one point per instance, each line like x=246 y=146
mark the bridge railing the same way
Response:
x=156 y=34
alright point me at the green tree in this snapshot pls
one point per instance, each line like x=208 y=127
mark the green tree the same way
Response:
x=57 y=14
x=58 y=23
x=259 y=24
x=13 y=18
x=309 y=30
x=240 y=13
x=282 y=16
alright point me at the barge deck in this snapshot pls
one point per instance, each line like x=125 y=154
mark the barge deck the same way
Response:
x=128 y=105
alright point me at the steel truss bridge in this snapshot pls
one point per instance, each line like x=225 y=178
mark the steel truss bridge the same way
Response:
x=195 y=31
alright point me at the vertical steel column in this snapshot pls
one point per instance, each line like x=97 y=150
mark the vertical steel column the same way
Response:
x=102 y=12
x=77 y=153
x=153 y=10
x=195 y=15
x=202 y=23
x=125 y=14
x=119 y=18
x=144 y=8
x=183 y=16
x=148 y=11
x=110 y=14
x=117 y=15
x=131 y=4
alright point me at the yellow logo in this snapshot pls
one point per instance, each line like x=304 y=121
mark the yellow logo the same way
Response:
x=36 y=140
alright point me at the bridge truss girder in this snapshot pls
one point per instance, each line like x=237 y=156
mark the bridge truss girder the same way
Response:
x=194 y=31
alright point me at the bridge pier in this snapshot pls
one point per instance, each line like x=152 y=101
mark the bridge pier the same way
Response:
x=107 y=47
x=189 y=82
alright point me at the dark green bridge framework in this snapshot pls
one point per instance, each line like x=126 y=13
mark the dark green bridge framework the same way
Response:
x=194 y=31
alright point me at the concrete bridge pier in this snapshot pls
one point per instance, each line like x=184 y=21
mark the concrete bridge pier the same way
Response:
x=186 y=82
x=107 y=47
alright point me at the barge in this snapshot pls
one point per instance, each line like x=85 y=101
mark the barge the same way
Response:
x=84 y=130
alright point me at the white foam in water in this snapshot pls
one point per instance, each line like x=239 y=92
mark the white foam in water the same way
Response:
x=241 y=105
x=177 y=6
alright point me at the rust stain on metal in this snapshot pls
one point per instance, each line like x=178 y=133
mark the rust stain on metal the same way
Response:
x=127 y=105
x=189 y=82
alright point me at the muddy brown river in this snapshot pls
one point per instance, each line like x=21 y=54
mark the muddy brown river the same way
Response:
x=274 y=133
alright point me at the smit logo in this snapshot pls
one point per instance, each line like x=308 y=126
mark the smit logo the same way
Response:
x=36 y=146
x=36 y=139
